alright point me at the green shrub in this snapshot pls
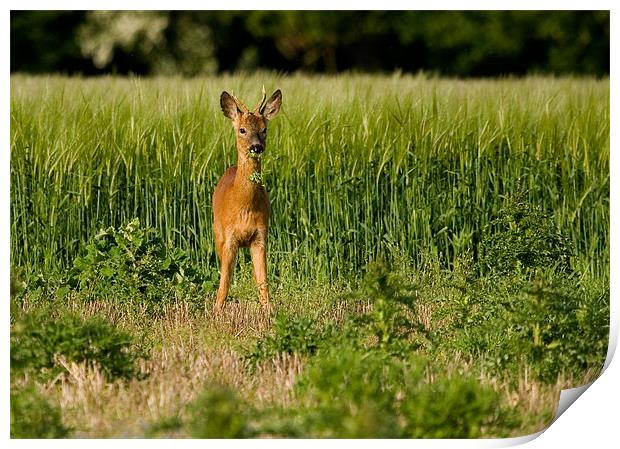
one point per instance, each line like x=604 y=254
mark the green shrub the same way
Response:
x=132 y=261
x=32 y=416
x=553 y=323
x=350 y=394
x=522 y=237
x=37 y=338
x=292 y=334
x=347 y=393
x=392 y=322
x=561 y=327
x=218 y=413
x=388 y=325
x=453 y=408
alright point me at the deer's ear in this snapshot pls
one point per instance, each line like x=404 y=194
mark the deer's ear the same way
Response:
x=229 y=106
x=272 y=106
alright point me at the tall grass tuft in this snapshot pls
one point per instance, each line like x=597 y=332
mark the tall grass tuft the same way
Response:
x=358 y=167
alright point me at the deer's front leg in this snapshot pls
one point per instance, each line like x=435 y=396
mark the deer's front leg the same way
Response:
x=228 y=257
x=258 y=249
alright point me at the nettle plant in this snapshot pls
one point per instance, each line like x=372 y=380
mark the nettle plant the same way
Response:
x=133 y=260
x=523 y=237
x=33 y=416
x=371 y=394
x=39 y=340
x=392 y=322
x=295 y=334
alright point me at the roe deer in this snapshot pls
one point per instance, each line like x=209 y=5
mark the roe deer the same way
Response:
x=240 y=202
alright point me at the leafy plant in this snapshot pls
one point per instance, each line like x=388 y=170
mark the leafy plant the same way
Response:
x=561 y=327
x=522 y=237
x=454 y=407
x=392 y=318
x=218 y=413
x=38 y=338
x=292 y=334
x=132 y=260
x=350 y=394
x=347 y=393
x=33 y=416
x=544 y=319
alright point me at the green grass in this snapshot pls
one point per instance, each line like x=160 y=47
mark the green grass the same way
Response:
x=488 y=201
x=358 y=167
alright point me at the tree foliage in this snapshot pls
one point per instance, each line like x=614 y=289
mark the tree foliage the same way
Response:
x=456 y=43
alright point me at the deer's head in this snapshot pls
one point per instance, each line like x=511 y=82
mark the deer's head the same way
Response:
x=251 y=126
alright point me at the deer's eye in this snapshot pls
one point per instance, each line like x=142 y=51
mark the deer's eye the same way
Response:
x=241 y=131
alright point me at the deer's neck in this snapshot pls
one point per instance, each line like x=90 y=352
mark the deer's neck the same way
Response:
x=248 y=179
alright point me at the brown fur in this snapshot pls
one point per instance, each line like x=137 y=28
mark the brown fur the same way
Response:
x=241 y=207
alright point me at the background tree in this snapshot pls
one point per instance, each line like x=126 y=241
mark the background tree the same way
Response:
x=454 y=43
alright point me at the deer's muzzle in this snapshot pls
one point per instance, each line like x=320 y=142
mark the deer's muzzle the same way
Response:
x=257 y=149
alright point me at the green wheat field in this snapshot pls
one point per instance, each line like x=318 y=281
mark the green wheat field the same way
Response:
x=438 y=257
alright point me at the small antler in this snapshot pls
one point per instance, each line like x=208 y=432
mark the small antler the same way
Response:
x=242 y=107
x=261 y=103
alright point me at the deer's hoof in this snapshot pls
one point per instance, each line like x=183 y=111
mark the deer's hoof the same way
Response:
x=217 y=309
x=267 y=308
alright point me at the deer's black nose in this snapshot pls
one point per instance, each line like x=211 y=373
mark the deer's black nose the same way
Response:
x=258 y=148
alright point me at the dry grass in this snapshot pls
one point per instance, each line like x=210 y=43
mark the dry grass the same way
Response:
x=175 y=376
x=195 y=350
x=188 y=360
x=191 y=349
